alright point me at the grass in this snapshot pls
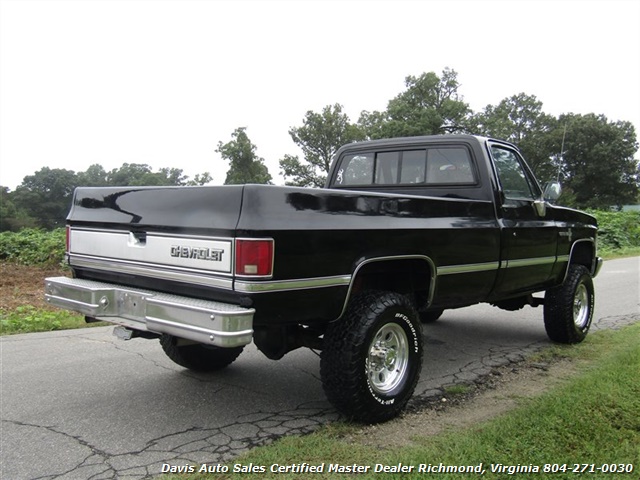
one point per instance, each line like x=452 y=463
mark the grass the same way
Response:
x=29 y=319
x=460 y=389
x=590 y=420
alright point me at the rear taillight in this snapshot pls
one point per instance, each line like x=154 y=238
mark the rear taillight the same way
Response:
x=254 y=257
x=68 y=240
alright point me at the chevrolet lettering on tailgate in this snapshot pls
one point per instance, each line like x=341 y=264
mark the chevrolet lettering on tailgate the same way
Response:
x=200 y=253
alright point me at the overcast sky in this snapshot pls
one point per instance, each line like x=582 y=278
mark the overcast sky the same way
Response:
x=161 y=82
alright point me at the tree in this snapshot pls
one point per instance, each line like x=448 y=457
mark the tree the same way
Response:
x=136 y=174
x=12 y=217
x=519 y=119
x=430 y=105
x=244 y=165
x=172 y=176
x=46 y=195
x=320 y=135
x=7 y=210
x=200 y=179
x=94 y=176
x=598 y=160
x=43 y=199
x=140 y=174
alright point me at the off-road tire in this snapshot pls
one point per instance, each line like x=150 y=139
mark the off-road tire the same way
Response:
x=372 y=357
x=568 y=309
x=198 y=357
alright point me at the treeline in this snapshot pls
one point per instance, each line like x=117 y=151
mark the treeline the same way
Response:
x=43 y=199
x=593 y=157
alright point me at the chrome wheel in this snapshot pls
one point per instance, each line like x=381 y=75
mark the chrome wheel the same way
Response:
x=388 y=358
x=581 y=306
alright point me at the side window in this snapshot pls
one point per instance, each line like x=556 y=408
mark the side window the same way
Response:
x=449 y=165
x=356 y=170
x=413 y=166
x=400 y=167
x=387 y=168
x=516 y=184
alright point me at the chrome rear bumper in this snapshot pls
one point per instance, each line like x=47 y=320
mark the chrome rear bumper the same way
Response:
x=203 y=321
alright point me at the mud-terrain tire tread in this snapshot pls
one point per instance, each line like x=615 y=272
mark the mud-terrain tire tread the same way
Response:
x=558 y=307
x=346 y=342
x=198 y=357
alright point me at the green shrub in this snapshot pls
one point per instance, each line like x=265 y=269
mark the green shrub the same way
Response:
x=617 y=230
x=32 y=246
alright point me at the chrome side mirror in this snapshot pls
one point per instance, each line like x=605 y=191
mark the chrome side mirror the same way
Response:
x=552 y=191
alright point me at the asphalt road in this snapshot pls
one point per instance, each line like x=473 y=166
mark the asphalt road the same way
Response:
x=82 y=404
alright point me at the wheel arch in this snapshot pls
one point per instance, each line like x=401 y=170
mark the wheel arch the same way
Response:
x=413 y=275
x=583 y=252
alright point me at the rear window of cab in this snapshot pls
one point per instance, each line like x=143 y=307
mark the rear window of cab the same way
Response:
x=427 y=166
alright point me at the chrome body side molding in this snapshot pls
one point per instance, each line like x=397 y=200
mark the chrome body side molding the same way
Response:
x=289 y=285
x=476 y=267
x=528 y=262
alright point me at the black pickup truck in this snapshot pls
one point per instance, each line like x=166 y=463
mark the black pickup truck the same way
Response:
x=404 y=229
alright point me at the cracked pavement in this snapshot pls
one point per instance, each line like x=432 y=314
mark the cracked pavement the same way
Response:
x=84 y=405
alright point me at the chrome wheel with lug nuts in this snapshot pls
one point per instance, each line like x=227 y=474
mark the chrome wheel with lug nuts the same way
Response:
x=581 y=306
x=388 y=358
